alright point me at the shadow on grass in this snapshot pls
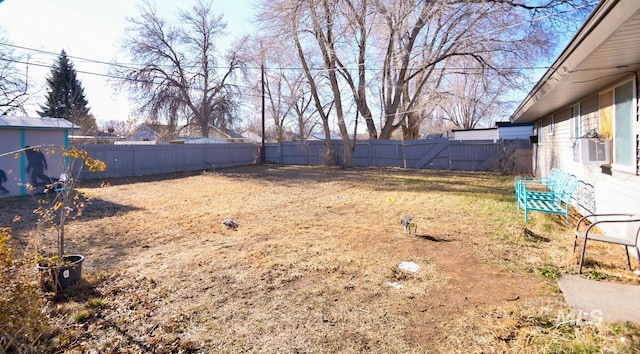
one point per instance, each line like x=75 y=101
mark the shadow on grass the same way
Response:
x=535 y=237
x=432 y=238
x=117 y=181
x=497 y=185
x=85 y=290
x=18 y=213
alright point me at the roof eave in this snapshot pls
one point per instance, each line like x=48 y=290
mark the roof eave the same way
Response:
x=603 y=23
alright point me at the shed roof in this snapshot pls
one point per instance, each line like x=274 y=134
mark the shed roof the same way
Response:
x=9 y=122
x=603 y=51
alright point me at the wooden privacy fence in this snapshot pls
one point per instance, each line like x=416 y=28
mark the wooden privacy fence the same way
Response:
x=440 y=154
x=140 y=160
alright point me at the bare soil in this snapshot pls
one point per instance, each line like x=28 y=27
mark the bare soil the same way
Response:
x=310 y=268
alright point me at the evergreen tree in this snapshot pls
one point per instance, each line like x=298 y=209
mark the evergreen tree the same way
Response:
x=65 y=97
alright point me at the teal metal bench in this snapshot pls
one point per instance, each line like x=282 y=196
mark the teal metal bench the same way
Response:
x=544 y=183
x=545 y=189
x=554 y=201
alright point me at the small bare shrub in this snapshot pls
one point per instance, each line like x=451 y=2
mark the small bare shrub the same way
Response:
x=22 y=324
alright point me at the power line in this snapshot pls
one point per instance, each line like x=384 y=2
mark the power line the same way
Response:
x=132 y=66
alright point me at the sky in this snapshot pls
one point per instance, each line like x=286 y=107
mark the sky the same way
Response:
x=91 y=29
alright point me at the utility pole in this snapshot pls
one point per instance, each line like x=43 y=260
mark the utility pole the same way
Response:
x=263 y=153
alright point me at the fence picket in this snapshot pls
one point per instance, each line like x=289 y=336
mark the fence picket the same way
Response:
x=138 y=160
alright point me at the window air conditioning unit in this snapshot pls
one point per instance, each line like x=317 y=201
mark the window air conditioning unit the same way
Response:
x=589 y=150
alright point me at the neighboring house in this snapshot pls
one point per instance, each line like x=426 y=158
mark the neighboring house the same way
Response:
x=252 y=137
x=474 y=134
x=99 y=138
x=320 y=136
x=592 y=88
x=134 y=142
x=227 y=135
x=157 y=133
x=160 y=134
x=47 y=137
x=503 y=130
x=198 y=140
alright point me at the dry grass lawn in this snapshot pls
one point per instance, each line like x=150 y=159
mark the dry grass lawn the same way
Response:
x=313 y=266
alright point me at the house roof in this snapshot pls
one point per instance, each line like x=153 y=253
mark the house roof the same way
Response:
x=36 y=123
x=147 y=131
x=604 y=50
x=473 y=130
x=320 y=136
x=228 y=133
x=509 y=124
x=197 y=140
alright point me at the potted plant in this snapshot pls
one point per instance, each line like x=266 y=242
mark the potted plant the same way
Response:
x=595 y=135
x=62 y=202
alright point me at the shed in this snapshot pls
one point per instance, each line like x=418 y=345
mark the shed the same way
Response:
x=475 y=134
x=46 y=137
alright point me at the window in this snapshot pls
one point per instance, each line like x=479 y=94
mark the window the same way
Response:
x=552 y=124
x=540 y=131
x=577 y=121
x=624 y=116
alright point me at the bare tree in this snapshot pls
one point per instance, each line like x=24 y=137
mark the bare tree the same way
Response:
x=272 y=84
x=401 y=50
x=301 y=103
x=297 y=15
x=290 y=104
x=472 y=98
x=121 y=128
x=177 y=74
x=13 y=82
x=279 y=110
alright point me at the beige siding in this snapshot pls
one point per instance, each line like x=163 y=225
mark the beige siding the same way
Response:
x=589 y=113
x=616 y=191
x=556 y=137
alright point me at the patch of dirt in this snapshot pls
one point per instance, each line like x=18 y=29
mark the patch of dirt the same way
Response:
x=470 y=283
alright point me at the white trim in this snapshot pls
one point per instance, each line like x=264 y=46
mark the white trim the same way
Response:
x=622 y=81
x=576 y=121
x=541 y=133
x=634 y=106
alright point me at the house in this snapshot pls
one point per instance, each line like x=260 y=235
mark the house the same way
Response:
x=252 y=137
x=502 y=130
x=227 y=135
x=157 y=133
x=585 y=107
x=321 y=136
x=474 y=134
x=101 y=137
x=37 y=165
x=197 y=140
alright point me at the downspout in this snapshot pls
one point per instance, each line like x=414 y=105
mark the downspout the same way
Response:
x=636 y=125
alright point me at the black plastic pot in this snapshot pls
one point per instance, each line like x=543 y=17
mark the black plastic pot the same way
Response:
x=61 y=277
